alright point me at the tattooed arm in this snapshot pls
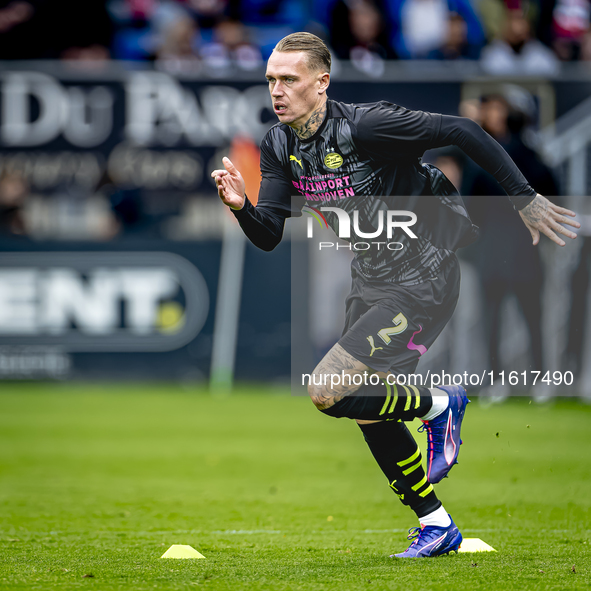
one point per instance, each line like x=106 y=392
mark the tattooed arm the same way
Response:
x=543 y=216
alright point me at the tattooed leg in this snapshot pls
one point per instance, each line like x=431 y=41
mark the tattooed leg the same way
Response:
x=375 y=400
x=335 y=363
x=390 y=442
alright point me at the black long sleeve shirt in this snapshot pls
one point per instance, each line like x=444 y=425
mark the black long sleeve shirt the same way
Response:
x=367 y=158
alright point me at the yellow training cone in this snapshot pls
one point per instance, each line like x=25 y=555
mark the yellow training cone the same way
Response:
x=182 y=551
x=475 y=545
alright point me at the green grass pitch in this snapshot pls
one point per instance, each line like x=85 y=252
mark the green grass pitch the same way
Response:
x=96 y=482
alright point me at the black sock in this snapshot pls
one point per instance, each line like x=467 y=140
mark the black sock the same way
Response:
x=384 y=401
x=398 y=455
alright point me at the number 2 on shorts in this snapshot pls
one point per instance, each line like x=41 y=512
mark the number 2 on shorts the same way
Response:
x=400 y=325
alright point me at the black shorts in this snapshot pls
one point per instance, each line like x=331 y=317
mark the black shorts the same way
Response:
x=389 y=327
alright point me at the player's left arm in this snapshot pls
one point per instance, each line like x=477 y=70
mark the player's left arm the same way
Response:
x=541 y=215
x=538 y=213
x=391 y=131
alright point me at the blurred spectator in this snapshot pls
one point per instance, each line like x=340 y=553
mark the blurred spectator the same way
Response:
x=271 y=20
x=36 y=29
x=124 y=213
x=133 y=38
x=422 y=26
x=456 y=44
x=147 y=27
x=178 y=50
x=470 y=108
x=516 y=52
x=206 y=12
x=291 y=13
x=186 y=35
x=359 y=34
x=509 y=117
x=230 y=49
x=78 y=30
x=170 y=30
x=92 y=53
x=126 y=205
x=13 y=195
x=570 y=25
x=508 y=263
x=450 y=162
x=577 y=318
x=141 y=9
x=13 y=14
x=586 y=48
x=18 y=25
x=492 y=13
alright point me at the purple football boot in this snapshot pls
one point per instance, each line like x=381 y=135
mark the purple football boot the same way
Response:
x=443 y=434
x=431 y=540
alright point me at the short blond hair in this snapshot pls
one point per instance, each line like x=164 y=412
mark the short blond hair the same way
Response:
x=317 y=53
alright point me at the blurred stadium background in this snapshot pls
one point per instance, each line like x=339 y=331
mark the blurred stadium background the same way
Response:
x=117 y=256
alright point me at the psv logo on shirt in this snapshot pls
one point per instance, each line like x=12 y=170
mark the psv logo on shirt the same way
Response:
x=333 y=160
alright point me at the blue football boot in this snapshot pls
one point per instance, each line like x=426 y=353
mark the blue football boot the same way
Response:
x=431 y=540
x=443 y=435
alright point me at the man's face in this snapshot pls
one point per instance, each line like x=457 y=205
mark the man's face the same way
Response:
x=494 y=114
x=296 y=90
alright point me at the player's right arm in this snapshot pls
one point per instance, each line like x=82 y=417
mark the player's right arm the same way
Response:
x=263 y=224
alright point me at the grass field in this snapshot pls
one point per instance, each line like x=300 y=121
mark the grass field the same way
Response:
x=96 y=482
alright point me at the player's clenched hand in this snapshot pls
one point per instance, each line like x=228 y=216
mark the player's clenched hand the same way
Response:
x=230 y=185
x=543 y=216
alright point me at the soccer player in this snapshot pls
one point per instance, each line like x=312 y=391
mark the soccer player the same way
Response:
x=369 y=157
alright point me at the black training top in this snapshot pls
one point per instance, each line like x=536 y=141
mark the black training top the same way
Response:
x=367 y=158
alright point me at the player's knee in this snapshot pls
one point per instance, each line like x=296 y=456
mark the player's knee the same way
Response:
x=320 y=395
x=325 y=389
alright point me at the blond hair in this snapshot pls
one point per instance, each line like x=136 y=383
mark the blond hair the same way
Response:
x=317 y=53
